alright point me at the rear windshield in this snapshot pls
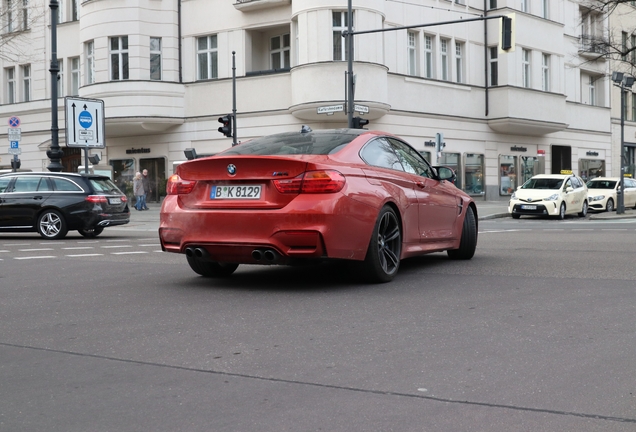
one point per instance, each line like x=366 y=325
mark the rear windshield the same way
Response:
x=601 y=184
x=104 y=186
x=296 y=143
x=543 y=183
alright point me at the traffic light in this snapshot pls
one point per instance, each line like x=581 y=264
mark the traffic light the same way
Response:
x=15 y=164
x=226 y=129
x=358 y=122
x=507 y=32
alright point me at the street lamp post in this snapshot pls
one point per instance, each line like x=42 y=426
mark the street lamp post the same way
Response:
x=623 y=82
x=54 y=153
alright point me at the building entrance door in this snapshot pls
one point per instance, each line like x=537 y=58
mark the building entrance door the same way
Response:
x=561 y=158
x=157 y=173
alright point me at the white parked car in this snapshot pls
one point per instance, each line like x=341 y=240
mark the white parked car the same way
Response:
x=554 y=195
x=602 y=193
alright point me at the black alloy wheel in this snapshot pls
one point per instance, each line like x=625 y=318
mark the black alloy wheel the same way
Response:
x=383 y=255
x=468 y=242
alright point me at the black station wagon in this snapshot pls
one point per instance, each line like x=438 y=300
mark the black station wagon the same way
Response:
x=54 y=203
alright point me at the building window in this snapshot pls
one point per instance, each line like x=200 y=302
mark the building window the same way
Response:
x=474 y=173
x=60 y=78
x=8 y=16
x=429 y=56
x=75 y=76
x=24 y=14
x=10 y=79
x=524 y=5
x=507 y=174
x=74 y=10
x=155 y=58
x=119 y=58
x=452 y=160
x=525 y=68
x=492 y=4
x=340 y=23
x=633 y=118
x=624 y=45
x=592 y=89
x=412 y=53
x=545 y=9
x=633 y=45
x=545 y=72
x=459 y=61
x=90 y=62
x=444 y=56
x=207 y=57
x=26 y=82
x=494 y=66
x=280 y=51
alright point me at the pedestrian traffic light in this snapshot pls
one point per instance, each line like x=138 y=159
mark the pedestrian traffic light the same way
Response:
x=507 y=32
x=226 y=129
x=358 y=122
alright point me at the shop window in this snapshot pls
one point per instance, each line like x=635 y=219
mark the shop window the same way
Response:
x=123 y=173
x=452 y=160
x=530 y=166
x=507 y=174
x=427 y=156
x=591 y=168
x=474 y=174
x=630 y=163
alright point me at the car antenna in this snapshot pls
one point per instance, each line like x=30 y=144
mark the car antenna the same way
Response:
x=305 y=129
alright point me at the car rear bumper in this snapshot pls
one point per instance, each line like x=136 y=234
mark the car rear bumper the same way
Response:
x=334 y=227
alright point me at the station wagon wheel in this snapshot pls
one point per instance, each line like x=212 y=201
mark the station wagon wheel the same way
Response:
x=92 y=232
x=583 y=212
x=610 y=205
x=383 y=256
x=211 y=268
x=468 y=242
x=51 y=225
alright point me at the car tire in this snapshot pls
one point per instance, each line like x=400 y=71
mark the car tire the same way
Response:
x=583 y=212
x=211 y=268
x=51 y=225
x=468 y=242
x=91 y=233
x=382 y=261
x=609 y=206
x=516 y=216
x=561 y=214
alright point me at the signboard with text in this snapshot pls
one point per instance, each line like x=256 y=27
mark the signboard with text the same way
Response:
x=85 y=123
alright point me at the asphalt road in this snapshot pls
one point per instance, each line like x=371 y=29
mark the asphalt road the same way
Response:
x=536 y=333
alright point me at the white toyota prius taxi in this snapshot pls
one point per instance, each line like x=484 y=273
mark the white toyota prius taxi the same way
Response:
x=554 y=195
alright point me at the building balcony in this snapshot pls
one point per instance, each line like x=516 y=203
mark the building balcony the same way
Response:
x=138 y=107
x=256 y=5
x=523 y=111
x=593 y=47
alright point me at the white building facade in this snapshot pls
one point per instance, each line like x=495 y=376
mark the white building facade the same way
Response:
x=164 y=71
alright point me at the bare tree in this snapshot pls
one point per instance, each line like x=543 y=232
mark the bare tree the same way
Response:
x=18 y=18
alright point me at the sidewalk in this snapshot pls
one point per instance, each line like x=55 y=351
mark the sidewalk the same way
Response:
x=148 y=220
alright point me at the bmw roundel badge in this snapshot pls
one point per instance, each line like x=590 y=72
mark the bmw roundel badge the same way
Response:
x=231 y=169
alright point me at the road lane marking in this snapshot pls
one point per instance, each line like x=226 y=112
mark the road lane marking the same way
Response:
x=34 y=257
x=128 y=253
x=116 y=246
x=35 y=250
x=78 y=247
x=84 y=255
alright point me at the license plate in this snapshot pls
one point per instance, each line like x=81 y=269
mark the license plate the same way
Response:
x=528 y=207
x=114 y=200
x=236 y=192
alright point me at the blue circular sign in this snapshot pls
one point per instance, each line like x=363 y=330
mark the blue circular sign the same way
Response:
x=85 y=119
x=14 y=122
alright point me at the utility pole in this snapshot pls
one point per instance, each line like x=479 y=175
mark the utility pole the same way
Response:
x=350 y=80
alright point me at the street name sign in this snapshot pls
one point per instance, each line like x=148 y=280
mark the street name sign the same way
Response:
x=85 y=123
x=330 y=109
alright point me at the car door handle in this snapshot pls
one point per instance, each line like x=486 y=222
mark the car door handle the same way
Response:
x=420 y=185
x=38 y=197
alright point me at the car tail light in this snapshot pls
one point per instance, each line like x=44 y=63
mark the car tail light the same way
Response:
x=312 y=182
x=177 y=186
x=97 y=199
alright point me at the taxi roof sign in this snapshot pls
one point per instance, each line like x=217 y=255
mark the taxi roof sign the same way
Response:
x=566 y=172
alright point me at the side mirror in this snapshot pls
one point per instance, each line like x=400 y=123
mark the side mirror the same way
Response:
x=445 y=173
x=569 y=189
